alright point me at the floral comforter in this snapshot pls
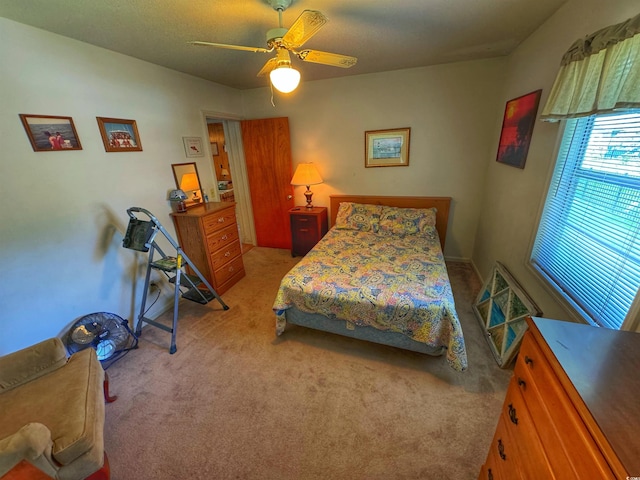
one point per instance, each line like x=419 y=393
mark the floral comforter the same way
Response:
x=398 y=284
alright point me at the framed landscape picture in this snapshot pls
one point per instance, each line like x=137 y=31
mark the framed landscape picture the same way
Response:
x=517 y=128
x=119 y=135
x=387 y=148
x=49 y=133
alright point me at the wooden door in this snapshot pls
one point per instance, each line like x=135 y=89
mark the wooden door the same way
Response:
x=267 y=152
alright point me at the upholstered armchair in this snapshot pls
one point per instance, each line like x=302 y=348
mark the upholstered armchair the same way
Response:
x=52 y=414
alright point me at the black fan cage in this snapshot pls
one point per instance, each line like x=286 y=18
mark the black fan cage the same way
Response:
x=107 y=333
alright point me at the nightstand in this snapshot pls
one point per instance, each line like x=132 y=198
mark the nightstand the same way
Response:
x=308 y=226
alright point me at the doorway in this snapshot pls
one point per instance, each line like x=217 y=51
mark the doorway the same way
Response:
x=251 y=160
x=228 y=165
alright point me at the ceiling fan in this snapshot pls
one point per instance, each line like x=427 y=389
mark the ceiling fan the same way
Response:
x=281 y=40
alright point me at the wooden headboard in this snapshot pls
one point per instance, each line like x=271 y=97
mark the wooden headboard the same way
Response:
x=442 y=204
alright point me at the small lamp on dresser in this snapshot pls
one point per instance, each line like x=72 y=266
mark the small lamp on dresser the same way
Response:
x=306 y=174
x=176 y=200
x=189 y=183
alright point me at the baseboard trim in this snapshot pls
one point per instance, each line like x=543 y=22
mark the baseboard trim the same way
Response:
x=457 y=259
x=475 y=269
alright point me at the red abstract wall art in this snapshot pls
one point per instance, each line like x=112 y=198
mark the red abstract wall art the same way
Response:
x=517 y=127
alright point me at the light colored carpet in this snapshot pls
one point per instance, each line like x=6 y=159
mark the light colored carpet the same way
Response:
x=237 y=402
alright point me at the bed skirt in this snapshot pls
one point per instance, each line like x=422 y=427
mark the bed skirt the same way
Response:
x=347 y=329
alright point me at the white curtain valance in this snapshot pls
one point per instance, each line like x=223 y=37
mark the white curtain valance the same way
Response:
x=598 y=74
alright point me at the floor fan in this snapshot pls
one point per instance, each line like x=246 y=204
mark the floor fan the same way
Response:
x=107 y=333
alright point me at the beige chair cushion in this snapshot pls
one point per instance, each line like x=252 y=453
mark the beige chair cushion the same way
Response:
x=69 y=401
x=33 y=362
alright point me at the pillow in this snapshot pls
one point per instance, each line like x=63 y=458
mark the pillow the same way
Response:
x=407 y=221
x=358 y=216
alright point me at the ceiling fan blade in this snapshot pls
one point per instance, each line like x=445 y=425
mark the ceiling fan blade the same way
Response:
x=305 y=27
x=270 y=65
x=231 y=47
x=332 y=59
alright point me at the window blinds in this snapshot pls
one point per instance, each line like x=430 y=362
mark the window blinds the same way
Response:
x=588 y=240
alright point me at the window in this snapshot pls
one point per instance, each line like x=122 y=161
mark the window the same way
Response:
x=588 y=241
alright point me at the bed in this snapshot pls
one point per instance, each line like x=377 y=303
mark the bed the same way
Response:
x=379 y=275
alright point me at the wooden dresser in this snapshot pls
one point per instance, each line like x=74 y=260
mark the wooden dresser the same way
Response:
x=572 y=409
x=209 y=236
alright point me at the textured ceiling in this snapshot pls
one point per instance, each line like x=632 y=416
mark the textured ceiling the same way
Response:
x=382 y=34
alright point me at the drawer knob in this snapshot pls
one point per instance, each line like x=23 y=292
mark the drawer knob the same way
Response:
x=231 y=269
x=221 y=220
x=503 y=456
x=528 y=360
x=522 y=383
x=227 y=254
x=304 y=229
x=224 y=237
x=512 y=414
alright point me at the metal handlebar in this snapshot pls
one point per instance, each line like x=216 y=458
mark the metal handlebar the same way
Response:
x=141 y=210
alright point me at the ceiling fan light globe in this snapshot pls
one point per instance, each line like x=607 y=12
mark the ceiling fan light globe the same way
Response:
x=285 y=79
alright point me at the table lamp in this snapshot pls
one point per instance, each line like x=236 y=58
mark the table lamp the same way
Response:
x=306 y=174
x=177 y=198
x=189 y=183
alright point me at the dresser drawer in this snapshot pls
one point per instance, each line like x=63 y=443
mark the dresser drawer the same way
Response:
x=493 y=469
x=219 y=220
x=209 y=236
x=304 y=240
x=225 y=254
x=522 y=429
x=223 y=287
x=228 y=270
x=501 y=461
x=304 y=223
x=221 y=238
x=571 y=449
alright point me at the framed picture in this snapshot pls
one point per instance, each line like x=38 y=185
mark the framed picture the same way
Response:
x=387 y=148
x=517 y=127
x=214 y=149
x=119 y=135
x=48 y=133
x=193 y=146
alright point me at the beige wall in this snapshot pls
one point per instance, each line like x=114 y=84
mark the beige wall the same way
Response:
x=63 y=214
x=513 y=197
x=451 y=120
